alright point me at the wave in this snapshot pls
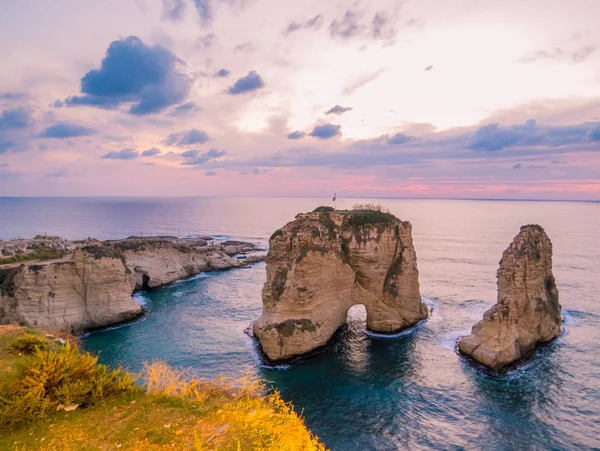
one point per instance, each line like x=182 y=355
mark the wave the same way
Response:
x=259 y=357
x=141 y=319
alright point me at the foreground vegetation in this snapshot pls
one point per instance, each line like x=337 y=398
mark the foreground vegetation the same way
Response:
x=54 y=397
x=43 y=253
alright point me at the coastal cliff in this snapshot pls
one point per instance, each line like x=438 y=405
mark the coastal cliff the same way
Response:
x=75 y=286
x=158 y=262
x=527 y=311
x=90 y=289
x=323 y=263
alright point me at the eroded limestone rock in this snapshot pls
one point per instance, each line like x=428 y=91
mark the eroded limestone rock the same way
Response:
x=527 y=311
x=90 y=289
x=323 y=263
x=157 y=262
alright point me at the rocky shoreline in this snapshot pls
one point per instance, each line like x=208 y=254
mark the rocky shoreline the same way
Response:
x=76 y=286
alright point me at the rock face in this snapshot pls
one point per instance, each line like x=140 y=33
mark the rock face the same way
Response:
x=157 y=262
x=527 y=311
x=323 y=263
x=91 y=289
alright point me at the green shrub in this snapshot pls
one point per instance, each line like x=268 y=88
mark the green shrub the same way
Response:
x=42 y=253
x=29 y=343
x=48 y=379
x=323 y=209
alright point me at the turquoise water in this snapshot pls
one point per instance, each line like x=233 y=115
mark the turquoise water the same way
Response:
x=365 y=392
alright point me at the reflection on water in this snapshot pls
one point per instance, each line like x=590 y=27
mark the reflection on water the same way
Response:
x=364 y=392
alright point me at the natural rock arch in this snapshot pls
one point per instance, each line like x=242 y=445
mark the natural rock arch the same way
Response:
x=322 y=264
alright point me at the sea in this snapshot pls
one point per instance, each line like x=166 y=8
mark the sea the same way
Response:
x=411 y=391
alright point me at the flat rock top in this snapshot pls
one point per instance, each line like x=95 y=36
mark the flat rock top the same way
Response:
x=44 y=250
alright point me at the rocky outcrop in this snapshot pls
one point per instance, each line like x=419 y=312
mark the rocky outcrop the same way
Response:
x=323 y=263
x=90 y=289
x=527 y=311
x=157 y=262
x=83 y=285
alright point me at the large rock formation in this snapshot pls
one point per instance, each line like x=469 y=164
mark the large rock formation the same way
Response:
x=323 y=263
x=527 y=311
x=90 y=289
x=157 y=262
x=83 y=285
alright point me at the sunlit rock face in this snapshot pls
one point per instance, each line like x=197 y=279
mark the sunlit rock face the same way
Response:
x=527 y=311
x=323 y=263
x=89 y=289
x=158 y=262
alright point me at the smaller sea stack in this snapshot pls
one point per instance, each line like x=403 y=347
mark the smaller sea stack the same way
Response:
x=527 y=311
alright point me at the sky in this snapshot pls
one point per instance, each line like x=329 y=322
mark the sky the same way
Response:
x=379 y=98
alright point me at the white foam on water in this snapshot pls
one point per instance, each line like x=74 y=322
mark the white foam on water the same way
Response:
x=140 y=299
x=569 y=319
x=202 y=275
x=448 y=341
x=117 y=326
x=256 y=353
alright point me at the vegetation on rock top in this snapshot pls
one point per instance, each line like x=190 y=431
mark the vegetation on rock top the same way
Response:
x=42 y=253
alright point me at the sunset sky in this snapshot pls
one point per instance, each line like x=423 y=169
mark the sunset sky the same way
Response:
x=415 y=98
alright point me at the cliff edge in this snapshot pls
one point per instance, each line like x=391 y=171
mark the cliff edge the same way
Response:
x=92 y=288
x=527 y=311
x=323 y=263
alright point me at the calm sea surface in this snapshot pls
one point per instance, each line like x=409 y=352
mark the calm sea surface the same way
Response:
x=365 y=392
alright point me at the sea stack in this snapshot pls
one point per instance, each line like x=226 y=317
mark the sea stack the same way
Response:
x=527 y=311
x=323 y=263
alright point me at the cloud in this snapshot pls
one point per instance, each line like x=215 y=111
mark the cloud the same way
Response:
x=208 y=40
x=577 y=56
x=194 y=157
x=326 y=131
x=13 y=96
x=582 y=54
x=244 y=47
x=492 y=137
x=147 y=78
x=346 y=27
x=311 y=24
x=63 y=130
x=399 y=138
x=7 y=146
x=594 y=134
x=59 y=173
x=338 y=109
x=222 y=73
x=210 y=173
x=173 y=9
x=15 y=118
x=361 y=81
x=517 y=166
x=380 y=27
x=249 y=83
x=429 y=68
x=151 y=152
x=124 y=154
x=184 y=108
x=296 y=135
x=187 y=138
x=205 y=11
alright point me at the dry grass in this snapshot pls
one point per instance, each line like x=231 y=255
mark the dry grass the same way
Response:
x=175 y=410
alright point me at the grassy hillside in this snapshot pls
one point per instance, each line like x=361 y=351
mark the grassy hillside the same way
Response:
x=54 y=397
